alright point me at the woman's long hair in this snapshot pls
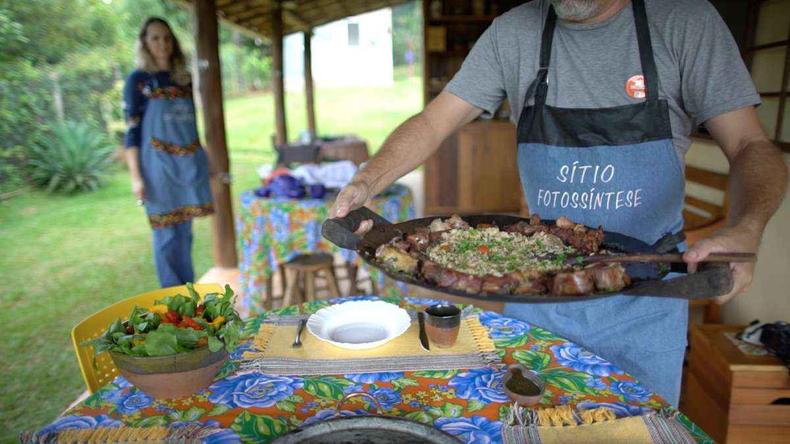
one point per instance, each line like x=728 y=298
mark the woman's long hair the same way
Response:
x=145 y=61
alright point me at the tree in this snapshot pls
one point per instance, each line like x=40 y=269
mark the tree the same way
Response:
x=406 y=31
x=77 y=47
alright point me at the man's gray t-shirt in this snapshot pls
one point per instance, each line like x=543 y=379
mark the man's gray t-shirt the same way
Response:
x=700 y=70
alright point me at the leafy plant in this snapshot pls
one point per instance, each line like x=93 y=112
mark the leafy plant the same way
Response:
x=71 y=157
x=175 y=324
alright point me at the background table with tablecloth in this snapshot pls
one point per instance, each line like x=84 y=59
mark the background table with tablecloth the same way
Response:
x=467 y=403
x=272 y=231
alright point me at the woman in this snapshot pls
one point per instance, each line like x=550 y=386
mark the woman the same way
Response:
x=169 y=168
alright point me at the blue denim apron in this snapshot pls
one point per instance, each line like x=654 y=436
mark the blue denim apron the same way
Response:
x=615 y=167
x=173 y=164
x=175 y=170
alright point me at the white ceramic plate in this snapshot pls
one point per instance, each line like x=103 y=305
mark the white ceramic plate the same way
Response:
x=359 y=325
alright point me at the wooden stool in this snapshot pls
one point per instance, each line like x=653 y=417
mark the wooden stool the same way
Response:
x=301 y=272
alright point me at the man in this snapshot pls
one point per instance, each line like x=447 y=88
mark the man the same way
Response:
x=606 y=93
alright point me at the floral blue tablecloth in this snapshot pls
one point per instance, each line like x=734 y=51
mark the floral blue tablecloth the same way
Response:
x=274 y=231
x=467 y=403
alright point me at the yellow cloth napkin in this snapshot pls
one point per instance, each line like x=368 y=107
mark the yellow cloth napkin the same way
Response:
x=274 y=341
x=564 y=425
x=631 y=430
x=122 y=434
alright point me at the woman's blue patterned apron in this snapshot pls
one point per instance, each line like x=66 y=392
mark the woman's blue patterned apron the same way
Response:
x=175 y=170
x=615 y=167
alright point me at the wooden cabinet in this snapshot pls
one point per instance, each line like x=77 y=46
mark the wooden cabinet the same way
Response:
x=735 y=397
x=475 y=171
x=451 y=28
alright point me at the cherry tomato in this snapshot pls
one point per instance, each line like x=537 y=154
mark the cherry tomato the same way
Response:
x=171 y=317
x=187 y=322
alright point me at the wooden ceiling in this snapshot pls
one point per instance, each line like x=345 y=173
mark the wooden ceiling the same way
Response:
x=255 y=16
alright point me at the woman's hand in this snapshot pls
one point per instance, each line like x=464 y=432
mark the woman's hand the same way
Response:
x=138 y=188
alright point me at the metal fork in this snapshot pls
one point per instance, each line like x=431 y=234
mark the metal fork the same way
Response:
x=302 y=322
x=298 y=340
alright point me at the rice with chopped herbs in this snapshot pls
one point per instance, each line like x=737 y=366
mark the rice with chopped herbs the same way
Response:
x=482 y=251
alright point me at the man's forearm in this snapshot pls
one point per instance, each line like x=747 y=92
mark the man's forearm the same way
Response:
x=404 y=150
x=758 y=180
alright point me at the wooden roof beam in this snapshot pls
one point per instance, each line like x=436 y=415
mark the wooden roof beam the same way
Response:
x=251 y=12
x=301 y=24
x=244 y=5
x=252 y=33
x=256 y=17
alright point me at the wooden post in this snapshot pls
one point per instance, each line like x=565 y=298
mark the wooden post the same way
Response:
x=210 y=84
x=308 y=85
x=277 y=74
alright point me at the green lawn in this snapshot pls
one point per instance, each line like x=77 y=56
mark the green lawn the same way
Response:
x=65 y=257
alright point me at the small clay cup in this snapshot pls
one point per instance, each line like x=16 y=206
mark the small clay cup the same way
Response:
x=442 y=324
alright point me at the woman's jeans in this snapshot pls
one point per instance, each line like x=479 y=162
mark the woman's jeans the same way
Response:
x=173 y=254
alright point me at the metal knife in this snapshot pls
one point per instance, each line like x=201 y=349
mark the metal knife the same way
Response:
x=423 y=336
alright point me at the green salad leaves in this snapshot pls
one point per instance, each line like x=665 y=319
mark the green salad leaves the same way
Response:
x=175 y=324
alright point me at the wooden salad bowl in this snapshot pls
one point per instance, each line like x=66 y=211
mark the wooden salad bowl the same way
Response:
x=172 y=376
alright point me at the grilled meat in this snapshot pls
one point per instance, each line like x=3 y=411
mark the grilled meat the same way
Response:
x=482 y=265
x=401 y=244
x=497 y=284
x=584 y=240
x=420 y=239
x=564 y=222
x=609 y=277
x=531 y=282
x=468 y=283
x=438 y=225
x=527 y=229
x=572 y=283
x=455 y=221
x=396 y=259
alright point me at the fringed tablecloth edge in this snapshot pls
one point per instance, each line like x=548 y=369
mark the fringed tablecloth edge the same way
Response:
x=122 y=434
x=523 y=424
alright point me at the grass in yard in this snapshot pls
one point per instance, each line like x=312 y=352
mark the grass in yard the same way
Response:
x=65 y=257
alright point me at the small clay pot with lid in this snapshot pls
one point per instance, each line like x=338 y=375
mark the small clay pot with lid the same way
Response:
x=523 y=385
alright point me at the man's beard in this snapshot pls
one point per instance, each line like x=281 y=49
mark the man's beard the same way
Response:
x=576 y=10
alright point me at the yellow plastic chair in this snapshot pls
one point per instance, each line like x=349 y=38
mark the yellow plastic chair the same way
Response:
x=95 y=325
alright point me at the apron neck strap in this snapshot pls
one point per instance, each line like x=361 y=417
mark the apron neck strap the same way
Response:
x=649 y=70
x=545 y=57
